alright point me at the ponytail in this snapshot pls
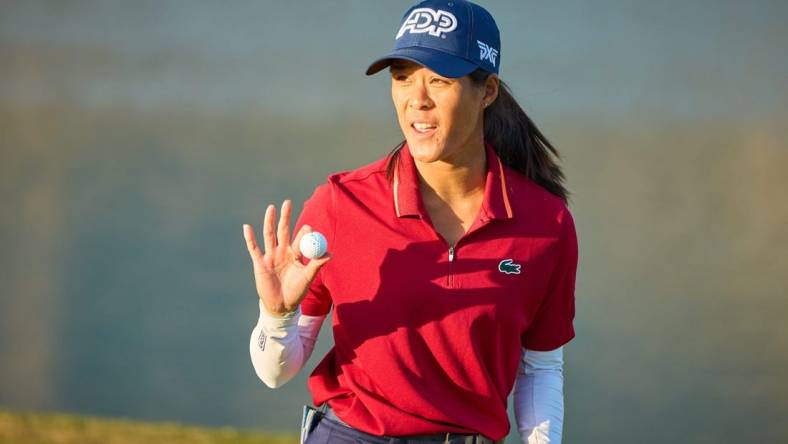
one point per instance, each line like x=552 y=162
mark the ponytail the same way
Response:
x=516 y=140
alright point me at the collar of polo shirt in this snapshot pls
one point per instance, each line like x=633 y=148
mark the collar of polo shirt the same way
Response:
x=407 y=199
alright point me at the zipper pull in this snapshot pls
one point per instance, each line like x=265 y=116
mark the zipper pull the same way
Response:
x=451 y=254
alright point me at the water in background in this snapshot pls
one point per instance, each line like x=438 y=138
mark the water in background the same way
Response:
x=136 y=138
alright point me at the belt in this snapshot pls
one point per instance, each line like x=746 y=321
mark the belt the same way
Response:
x=453 y=438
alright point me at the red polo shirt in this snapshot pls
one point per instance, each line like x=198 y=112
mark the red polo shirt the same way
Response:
x=427 y=341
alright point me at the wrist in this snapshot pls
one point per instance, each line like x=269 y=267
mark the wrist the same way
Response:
x=279 y=311
x=282 y=314
x=279 y=319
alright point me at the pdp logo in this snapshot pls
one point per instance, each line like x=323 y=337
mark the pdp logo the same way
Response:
x=428 y=20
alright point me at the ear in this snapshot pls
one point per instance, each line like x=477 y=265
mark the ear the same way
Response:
x=491 y=85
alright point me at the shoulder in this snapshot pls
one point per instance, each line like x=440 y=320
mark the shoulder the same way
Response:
x=368 y=172
x=534 y=204
x=369 y=177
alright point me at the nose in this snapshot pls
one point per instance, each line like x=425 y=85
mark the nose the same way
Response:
x=419 y=98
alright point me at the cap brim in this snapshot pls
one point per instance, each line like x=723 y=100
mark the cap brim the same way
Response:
x=440 y=62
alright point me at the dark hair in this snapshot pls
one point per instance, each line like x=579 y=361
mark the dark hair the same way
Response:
x=516 y=140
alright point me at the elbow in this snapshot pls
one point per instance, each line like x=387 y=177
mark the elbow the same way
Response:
x=275 y=361
x=271 y=377
x=273 y=383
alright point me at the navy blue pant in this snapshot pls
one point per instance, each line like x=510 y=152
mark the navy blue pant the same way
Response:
x=331 y=432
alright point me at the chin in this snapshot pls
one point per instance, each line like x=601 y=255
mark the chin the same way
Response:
x=425 y=151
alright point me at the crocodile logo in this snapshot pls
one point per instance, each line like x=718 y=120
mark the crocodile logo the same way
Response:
x=509 y=267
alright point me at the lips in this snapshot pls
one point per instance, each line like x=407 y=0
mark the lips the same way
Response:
x=424 y=128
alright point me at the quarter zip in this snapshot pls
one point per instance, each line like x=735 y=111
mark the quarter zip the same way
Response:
x=452 y=249
x=449 y=277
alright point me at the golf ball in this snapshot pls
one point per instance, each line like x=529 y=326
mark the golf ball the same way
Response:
x=313 y=245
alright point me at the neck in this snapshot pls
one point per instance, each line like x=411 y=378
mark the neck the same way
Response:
x=456 y=179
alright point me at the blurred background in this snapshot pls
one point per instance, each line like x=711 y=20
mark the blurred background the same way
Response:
x=137 y=137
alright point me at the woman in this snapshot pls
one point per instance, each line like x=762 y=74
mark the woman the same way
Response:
x=452 y=264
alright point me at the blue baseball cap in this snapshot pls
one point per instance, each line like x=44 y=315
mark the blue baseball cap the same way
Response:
x=450 y=37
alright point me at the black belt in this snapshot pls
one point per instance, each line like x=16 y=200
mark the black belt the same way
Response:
x=453 y=438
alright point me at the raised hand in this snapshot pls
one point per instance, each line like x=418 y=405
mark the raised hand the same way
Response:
x=281 y=279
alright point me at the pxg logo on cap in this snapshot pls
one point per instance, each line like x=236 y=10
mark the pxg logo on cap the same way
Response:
x=450 y=37
x=487 y=52
x=428 y=20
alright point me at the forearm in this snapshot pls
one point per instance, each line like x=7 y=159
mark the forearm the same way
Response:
x=539 y=397
x=279 y=347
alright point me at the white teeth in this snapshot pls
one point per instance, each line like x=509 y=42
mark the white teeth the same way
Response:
x=423 y=126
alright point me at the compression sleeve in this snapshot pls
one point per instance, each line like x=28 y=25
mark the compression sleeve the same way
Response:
x=539 y=396
x=280 y=346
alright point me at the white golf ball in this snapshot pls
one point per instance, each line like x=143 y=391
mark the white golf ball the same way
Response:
x=313 y=245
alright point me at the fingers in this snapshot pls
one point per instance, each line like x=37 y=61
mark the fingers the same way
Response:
x=314 y=265
x=283 y=231
x=251 y=243
x=268 y=228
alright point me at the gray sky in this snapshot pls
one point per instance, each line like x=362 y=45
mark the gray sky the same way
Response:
x=673 y=58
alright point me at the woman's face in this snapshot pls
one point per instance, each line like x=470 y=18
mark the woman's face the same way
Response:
x=441 y=117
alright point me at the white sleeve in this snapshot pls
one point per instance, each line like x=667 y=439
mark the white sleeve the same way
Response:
x=280 y=346
x=539 y=396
